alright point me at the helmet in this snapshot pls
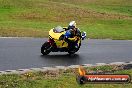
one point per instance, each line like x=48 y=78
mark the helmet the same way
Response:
x=72 y=25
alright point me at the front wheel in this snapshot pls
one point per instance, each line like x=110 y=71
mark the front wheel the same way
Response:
x=45 y=49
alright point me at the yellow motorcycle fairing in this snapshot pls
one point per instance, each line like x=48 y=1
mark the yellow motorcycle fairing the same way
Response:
x=56 y=36
x=61 y=43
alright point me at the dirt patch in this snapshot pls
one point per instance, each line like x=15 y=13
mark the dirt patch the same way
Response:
x=61 y=13
x=22 y=33
x=74 y=1
x=30 y=15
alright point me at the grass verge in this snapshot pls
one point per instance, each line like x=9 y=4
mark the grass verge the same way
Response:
x=34 y=18
x=60 y=78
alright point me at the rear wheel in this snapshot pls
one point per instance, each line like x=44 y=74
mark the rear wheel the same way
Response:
x=73 y=49
x=45 y=49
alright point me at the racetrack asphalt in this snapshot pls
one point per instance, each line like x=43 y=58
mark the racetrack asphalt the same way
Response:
x=22 y=53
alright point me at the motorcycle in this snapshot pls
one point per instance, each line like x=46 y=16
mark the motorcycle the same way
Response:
x=58 y=43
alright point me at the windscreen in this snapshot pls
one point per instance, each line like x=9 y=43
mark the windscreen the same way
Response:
x=58 y=29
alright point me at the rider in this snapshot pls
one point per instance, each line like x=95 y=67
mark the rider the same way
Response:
x=71 y=32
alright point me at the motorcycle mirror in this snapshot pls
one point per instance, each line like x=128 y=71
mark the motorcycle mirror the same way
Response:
x=83 y=35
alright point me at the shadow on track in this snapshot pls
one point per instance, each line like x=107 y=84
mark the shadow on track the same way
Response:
x=60 y=59
x=62 y=56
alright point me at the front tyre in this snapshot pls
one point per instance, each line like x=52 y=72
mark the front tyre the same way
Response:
x=45 y=49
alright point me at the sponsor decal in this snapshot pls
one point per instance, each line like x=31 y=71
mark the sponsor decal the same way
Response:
x=101 y=78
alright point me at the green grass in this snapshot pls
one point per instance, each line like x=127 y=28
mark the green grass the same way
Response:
x=34 y=18
x=57 y=79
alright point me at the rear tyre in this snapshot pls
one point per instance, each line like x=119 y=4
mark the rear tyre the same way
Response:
x=45 y=49
x=71 y=52
x=74 y=50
